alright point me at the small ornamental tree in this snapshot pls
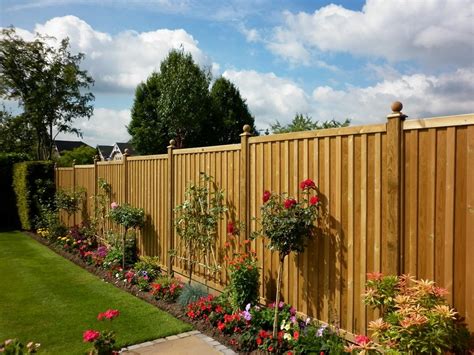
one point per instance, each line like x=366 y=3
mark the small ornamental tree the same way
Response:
x=197 y=219
x=288 y=224
x=129 y=217
x=69 y=201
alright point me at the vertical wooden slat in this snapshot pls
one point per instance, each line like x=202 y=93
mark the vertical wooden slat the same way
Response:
x=469 y=211
x=350 y=234
x=449 y=211
x=363 y=227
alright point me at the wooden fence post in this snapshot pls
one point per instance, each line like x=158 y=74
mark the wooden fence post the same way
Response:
x=125 y=175
x=244 y=179
x=170 y=206
x=391 y=260
x=73 y=188
x=96 y=159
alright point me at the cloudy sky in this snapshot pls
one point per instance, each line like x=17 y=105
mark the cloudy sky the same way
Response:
x=329 y=59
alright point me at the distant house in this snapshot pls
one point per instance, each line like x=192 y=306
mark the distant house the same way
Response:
x=119 y=149
x=60 y=146
x=105 y=151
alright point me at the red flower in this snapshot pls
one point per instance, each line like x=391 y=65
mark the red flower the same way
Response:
x=259 y=341
x=270 y=348
x=296 y=335
x=289 y=202
x=266 y=196
x=313 y=200
x=374 y=276
x=307 y=184
x=90 y=335
x=262 y=333
x=100 y=316
x=230 y=228
x=221 y=326
x=362 y=339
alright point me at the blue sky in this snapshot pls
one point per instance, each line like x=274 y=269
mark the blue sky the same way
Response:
x=329 y=59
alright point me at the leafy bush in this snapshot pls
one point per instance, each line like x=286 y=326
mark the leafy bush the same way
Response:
x=103 y=342
x=415 y=317
x=244 y=280
x=317 y=339
x=33 y=183
x=148 y=265
x=191 y=293
x=8 y=211
x=69 y=200
x=166 y=288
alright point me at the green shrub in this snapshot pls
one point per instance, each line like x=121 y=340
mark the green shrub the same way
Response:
x=191 y=293
x=8 y=212
x=33 y=183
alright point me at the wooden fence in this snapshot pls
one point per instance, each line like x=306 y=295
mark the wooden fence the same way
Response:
x=396 y=198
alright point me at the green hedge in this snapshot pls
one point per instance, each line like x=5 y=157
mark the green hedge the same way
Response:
x=33 y=183
x=8 y=212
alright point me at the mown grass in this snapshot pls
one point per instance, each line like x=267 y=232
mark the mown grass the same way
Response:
x=48 y=299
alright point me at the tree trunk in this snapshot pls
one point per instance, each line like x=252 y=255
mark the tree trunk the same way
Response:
x=190 y=263
x=277 y=298
x=123 y=248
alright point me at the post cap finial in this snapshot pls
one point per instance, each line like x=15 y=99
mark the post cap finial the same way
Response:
x=126 y=151
x=172 y=143
x=74 y=162
x=96 y=158
x=397 y=106
x=247 y=128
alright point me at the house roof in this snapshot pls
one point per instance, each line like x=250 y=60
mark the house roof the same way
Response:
x=123 y=146
x=105 y=150
x=62 y=146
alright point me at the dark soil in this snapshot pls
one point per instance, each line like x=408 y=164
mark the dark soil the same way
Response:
x=172 y=308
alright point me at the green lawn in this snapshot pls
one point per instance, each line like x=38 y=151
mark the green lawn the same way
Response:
x=47 y=299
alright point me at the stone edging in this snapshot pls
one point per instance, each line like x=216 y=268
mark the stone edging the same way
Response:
x=210 y=341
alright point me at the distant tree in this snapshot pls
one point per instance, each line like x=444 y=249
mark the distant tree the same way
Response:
x=82 y=155
x=230 y=113
x=305 y=123
x=183 y=104
x=16 y=135
x=47 y=83
x=149 y=132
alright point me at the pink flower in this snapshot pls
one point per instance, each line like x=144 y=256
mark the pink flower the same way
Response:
x=313 y=200
x=90 y=335
x=266 y=196
x=114 y=205
x=296 y=335
x=289 y=202
x=362 y=339
x=307 y=184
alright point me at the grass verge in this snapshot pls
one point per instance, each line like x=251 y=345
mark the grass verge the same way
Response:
x=48 y=299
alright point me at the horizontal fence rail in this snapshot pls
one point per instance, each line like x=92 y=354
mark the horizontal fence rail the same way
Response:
x=396 y=198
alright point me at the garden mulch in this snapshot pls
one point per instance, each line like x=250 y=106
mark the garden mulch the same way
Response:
x=172 y=308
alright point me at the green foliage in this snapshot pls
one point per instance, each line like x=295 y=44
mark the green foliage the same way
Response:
x=150 y=265
x=148 y=130
x=113 y=258
x=415 y=317
x=81 y=155
x=33 y=183
x=127 y=216
x=176 y=103
x=48 y=221
x=69 y=200
x=166 y=288
x=229 y=113
x=196 y=221
x=48 y=84
x=8 y=210
x=16 y=136
x=305 y=123
x=16 y=347
x=191 y=293
x=320 y=338
x=244 y=281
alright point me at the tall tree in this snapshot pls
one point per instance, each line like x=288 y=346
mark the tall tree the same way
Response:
x=16 y=135
x=48 y=84
x=150 y=135
x=305 y=123
x=230 y=113
x=184 y=103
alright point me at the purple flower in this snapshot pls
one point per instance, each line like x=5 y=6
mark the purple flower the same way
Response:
x=281 y=304
x=292 y=311
x=102 y=251
x=320 y=331
x=293 y=319
x=246 y=314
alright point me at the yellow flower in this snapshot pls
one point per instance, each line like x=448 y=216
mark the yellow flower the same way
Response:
x=445 y=311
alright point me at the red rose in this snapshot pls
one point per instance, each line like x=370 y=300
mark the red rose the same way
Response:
x=266 y=196
x=230 y=228
x=289 y=202
x=313 y=200
x=90 y=335
x=307 y=184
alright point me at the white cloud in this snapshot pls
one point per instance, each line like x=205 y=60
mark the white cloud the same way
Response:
x=431 y=32
x=106 y=126
x=121 y=61
x=268 y=96
x=422 y=96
